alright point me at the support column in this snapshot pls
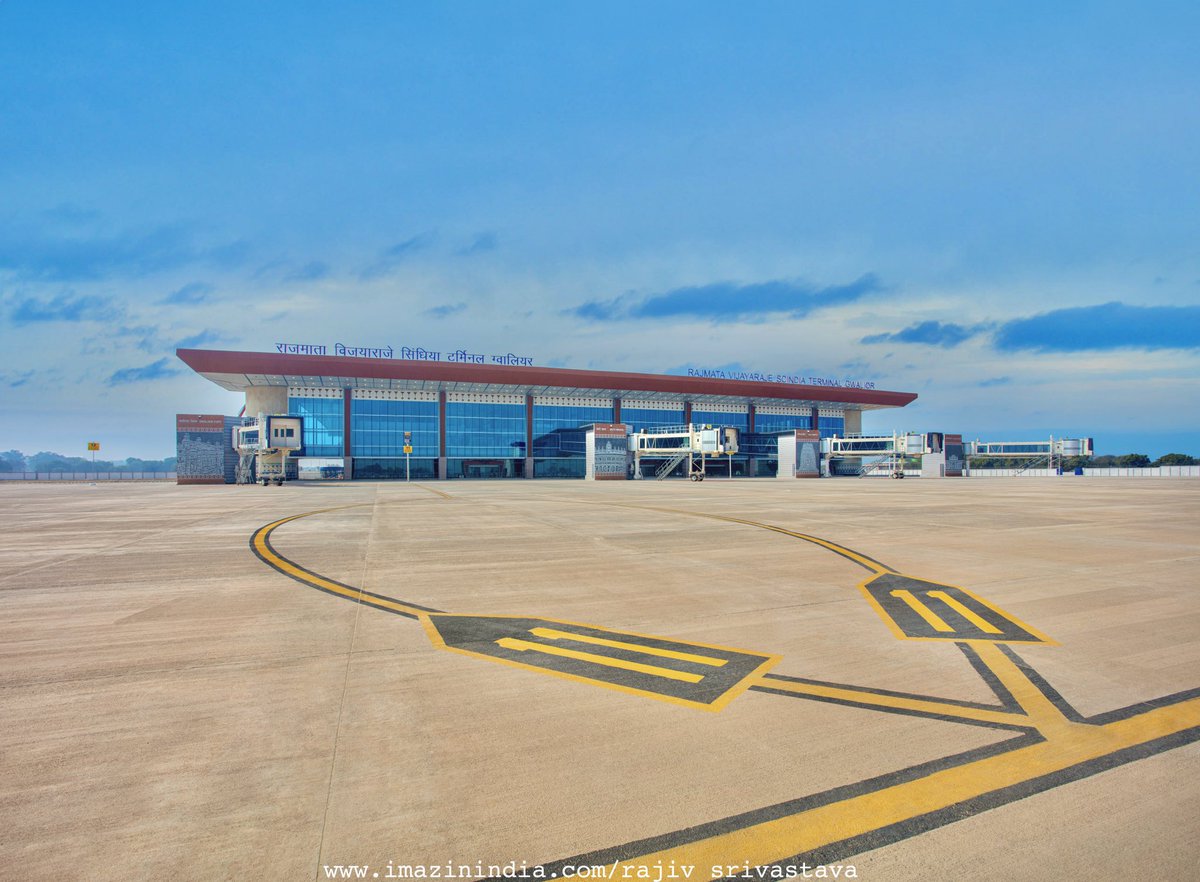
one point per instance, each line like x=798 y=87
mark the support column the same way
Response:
x=687 y=412
x=528 y=436
x=347 y=448
x=442 y=436
x=616 y=410
x=816 y=419
x=751 y=462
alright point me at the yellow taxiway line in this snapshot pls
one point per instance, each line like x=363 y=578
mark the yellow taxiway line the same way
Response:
x=895 y=702
x=777 y=840
x=607 y=661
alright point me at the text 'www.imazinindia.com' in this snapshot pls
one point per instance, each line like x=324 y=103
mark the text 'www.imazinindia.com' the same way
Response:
x=656 y=872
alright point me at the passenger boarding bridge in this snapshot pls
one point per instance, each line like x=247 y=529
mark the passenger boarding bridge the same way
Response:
x=266 y=445
x=672 y=445
x=887 y=452
x=1051 y=452
x=1054 y=447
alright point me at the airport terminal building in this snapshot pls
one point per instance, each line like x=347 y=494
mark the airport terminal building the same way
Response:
x=475 y=416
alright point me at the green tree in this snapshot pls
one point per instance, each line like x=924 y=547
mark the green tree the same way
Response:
x=1172 y=459
x=48 y=461
x=15 y=460
x=1133 y=461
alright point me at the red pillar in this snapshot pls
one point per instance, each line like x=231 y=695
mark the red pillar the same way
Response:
x=528 y=436
x=442 y=435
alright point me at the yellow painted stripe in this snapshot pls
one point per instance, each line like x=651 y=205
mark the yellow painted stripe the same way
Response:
x=284 y=565
x=776 y=840
x=525 y=645
x=979 y=622
x=874 y=566
x=1045 y=716
x=824 y=543
x=930 y=706
x=552 y=634
x=932 y=618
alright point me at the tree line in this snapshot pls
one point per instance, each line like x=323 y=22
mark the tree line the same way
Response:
x=47 y=461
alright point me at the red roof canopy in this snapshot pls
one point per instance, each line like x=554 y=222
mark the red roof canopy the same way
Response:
x=241 y=370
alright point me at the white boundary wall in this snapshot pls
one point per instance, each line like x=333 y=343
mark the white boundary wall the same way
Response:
x=1160 y=472
x=87 y=476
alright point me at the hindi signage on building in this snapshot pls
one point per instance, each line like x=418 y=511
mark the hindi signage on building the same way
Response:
x=405 y=353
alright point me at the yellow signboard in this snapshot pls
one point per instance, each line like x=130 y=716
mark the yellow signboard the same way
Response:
x=93 y=445
x=408 y=448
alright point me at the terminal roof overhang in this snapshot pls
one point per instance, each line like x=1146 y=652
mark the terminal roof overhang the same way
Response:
x=238 y=371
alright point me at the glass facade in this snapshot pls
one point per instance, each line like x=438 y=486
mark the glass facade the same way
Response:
x=481 y=430
x=556 y=428
x=719 y=418
x=781 y=422
x=758 y=445
x=830 y=426
x=640 y=418
x=487 y=439
x=559 y=445
x=569 y=467
x=485 y=468
x=324 y=424
x=385 y=468
x=377 y=428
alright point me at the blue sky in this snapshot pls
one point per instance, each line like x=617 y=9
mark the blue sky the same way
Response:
x=994 y=205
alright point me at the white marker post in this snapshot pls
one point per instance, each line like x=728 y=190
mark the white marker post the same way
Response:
x=407 y=451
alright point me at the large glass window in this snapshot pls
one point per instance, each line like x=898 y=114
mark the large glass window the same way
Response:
x=758 y=444
x=559 y=468
x=641 y=418
x=556 y=431
x=395 y=468
x=830 y=425
x=484 y=430
x=324 y=424
x=485 y=468
x=781 y=422
x=378 y=427
x=720 y=418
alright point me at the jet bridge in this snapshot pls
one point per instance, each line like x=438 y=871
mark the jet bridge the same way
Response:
x=264 y=445
x=942 y=454
x=670 y=446
x=885 y=452
x=1049 y=454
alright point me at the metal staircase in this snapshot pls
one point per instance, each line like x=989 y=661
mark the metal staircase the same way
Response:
x=1039 y=462
x=670 y=465
x=890 y=466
